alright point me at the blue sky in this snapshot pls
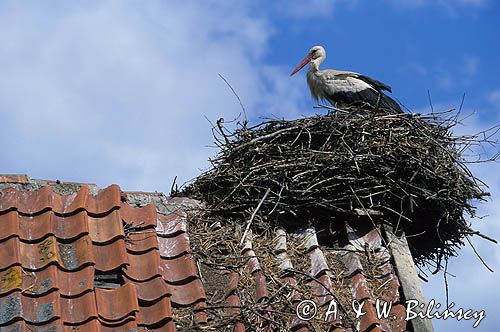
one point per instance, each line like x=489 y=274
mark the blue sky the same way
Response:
x=117 y=91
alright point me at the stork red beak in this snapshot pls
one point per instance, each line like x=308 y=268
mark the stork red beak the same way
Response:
x=302 y=64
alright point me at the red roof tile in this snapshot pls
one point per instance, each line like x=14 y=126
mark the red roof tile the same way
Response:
x=77 y=310
x=14 y=178
x=144 y=266
x=34 y=202
x=159 y=312
x=150 y=290
x=118 y=303
x=55 y=246
x=171 y=247
x=140 y=242
x=88 y=260
x=188 y=293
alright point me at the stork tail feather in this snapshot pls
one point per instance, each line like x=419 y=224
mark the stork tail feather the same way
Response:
x=388 y=102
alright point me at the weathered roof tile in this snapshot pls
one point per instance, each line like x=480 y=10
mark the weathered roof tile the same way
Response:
x=54 y=246
x=116 y=304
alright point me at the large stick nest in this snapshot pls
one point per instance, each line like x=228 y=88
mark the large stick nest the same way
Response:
x=406 y=170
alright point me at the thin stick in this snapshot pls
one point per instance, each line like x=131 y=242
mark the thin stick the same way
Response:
x=479 y=256
x=473 y=232
x=446 y=283
x=253 y=216
x=430 y=100
x=172 y=192
x=238 y=97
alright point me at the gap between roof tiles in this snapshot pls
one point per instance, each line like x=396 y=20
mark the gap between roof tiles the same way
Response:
x=164 y=205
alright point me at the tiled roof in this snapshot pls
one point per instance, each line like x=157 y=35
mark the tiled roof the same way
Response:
x=76 y=258
x=82 y=262
x=343 y=274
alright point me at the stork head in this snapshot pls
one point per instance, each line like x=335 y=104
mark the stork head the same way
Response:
x=315 y=57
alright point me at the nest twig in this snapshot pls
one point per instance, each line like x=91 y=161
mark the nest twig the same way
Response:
x=408 y=170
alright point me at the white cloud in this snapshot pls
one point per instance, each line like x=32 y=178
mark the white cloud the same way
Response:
x=494 y=97
x=112 y=92
x=470 y=65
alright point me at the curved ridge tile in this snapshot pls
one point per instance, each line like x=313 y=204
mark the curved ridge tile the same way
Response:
x=79 y=309
x=76 y=254
x=106 y=200
x=255 y=270
x=155 y=314
x=9 y=225
x=37 y=255
x=9 y=252
x=28 y=202
x=398 y=323
x=106 y=228
x=76 y=282
x=143 y=266
x=22 y=326
x=14 y=178
x=36 y=310
x=233 y=300
x=34 y=228
x=200 y=313
x=139 y=217
x=171 y=247
x=361 y=292
x=34 y=256
x=179 y=269
x=11 y=279
x=70 y=256
x=322 y=289
x=115 y=304
x=150 y=290
x=141 y=241
x=171 y=224
x=187 y=294
x=18 y=326
x=68 y=227
x=318 y=262
x=110 y=256
x=43 y=281
x=10 y=308
x=63 y=204
x=34 y=202
x=40 y=282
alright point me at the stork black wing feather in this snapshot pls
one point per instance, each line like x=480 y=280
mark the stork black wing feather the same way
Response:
x=368 y=96
x=373 y=82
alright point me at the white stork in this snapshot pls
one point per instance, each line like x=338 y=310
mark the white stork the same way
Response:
x=344 y=87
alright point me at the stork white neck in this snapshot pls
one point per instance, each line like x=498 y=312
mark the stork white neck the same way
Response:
x=318 y=55
x=314 y=64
